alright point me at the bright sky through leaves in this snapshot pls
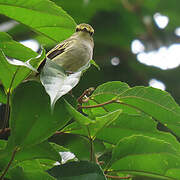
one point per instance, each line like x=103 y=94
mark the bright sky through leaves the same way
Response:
x=157 y=84
x=161 y=20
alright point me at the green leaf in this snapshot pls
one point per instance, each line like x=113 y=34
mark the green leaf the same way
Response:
x=35 y=61
x=30 y=170
x=95 y=64
x=103 y=121
x=39 y=151
x=138 y=144
x=127 y=125
x=81 y=119
x=77 y=145
x=156 y=103
x=2 y=95
x=3 y=144
x=124 y=126
x=148 y=165
x=107 y=92
x=77 y=171
x=174 y=173
x=14 y=50
x=113 y=88
x=31 y=119
x=43 y=16
x=151 y=152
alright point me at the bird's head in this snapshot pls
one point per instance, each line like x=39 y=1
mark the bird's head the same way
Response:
x=85 y=28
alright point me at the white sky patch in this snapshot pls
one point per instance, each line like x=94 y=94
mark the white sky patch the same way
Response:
x=161 y=20
x=177 y=31
x=163 y=58
x=157 y=84
x=31 y=43
x=6 y=26
x=137 y=46
x=66 y=156
x=115 y=61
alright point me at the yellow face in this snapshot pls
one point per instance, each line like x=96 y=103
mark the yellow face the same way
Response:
x=85 y=28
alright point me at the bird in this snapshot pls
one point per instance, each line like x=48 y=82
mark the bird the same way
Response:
x=75 y=52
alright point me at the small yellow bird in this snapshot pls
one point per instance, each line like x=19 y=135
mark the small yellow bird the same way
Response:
x=74 y=52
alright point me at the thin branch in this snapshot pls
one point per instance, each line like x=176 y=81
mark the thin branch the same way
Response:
x=87 y=92
x=9 y=164
x=5 y=130
x=7 y=110
x=92 y=99
x=117 y=177
x=128 y=5
x=99 y=105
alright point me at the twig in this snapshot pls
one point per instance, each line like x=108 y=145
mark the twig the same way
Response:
x=100 y=105
x=117 y=177
x=92 y=99
x=87 y=92
x=5 y=130
x=128 y=5
x=9 y=164
x=7 y=110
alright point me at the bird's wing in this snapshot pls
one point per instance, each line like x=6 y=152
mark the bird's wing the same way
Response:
x=57 y=50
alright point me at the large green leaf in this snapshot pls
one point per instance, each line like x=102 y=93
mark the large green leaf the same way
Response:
x=29 y=170
x=156 y=103
x=77 y=171
x=138 y=144
x=15 y=50
x=39 y=151
x=43 y=16
x=31 y=118
x=143 y=154
x=148 y=165
x=128 y=125
x=104 y=93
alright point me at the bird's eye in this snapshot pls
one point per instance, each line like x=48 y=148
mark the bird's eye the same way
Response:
x=77 y=29
x=84 y=29
x=91 y=33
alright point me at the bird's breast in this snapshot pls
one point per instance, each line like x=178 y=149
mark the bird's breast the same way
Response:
x=75 y=56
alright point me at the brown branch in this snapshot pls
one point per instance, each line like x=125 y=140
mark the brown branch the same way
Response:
x=5 y=130
x=117 y=177
x=87 y=92
x=128 y=5
x=9 y=164
x=100 y=105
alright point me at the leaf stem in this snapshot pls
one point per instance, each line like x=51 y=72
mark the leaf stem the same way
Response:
x=117 y=177
x=9 y=164
x=7 y=109
x=91 y=146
